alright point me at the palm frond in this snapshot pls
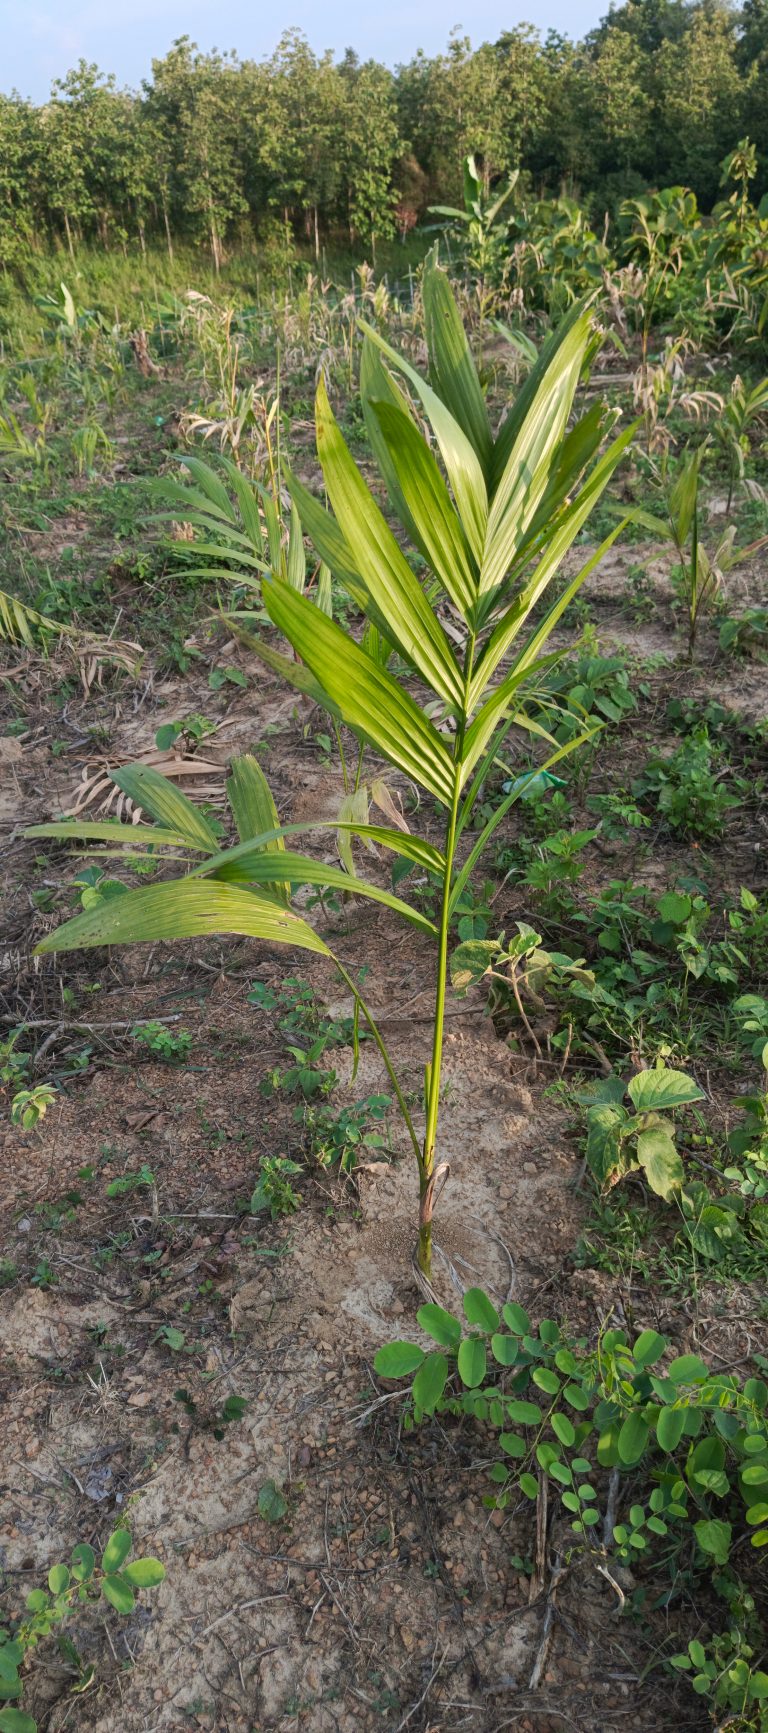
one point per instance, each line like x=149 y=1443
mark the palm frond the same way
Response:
x=23 y=625
x=18 y=622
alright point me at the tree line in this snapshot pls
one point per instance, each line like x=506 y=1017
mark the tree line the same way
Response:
x=214 y=149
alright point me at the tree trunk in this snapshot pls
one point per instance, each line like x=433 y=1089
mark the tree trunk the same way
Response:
x=317 y=235
x=167 y=230
x=215 y=242
x=69 y=236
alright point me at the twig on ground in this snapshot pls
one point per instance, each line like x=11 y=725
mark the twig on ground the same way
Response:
x=232 y=1613
x=90 y=1028
x=610 y=1508
x=537 y=1673
x=538 y=1576
x=36 y=1475
x=425 y=1693
x=604 y=1572
x=71 y=1476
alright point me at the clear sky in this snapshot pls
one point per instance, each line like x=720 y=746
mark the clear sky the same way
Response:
x=42 y=39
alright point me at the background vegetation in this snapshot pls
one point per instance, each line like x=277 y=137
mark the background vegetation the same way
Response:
x=214 y=150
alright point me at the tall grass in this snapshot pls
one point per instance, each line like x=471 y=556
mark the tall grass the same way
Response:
x=128 y=288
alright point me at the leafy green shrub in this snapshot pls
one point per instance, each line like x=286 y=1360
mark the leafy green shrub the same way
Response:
x=657 y=966
x=621 y=1142
x=746 y=634
x=749 y=924
x=688 y=788
x=551 y=1399
x=188 y=733
x=556 y=864
x=617 y=814
x=306 y=1076
x=751 y=1013
x=29 y=1106
x=724 y=1226
x=274 y=1190
x=716 y=1224
x=93 y=885
x=743 y=406
x=595 y=685
x=163 y=1042
x=721 y=1671
x=473 y=912
x=555 y=255
x=690 y=1446
x=699 y=574
x=333 y=1137
x=300 y=1011
x=522 y=974
x=651 y=950
x=748 y=1144
x=79 y=1584
x=341 y=1138
x=130 y=1182
x=14 y=1062
x=482 y=232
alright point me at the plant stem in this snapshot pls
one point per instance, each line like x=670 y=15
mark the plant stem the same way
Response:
x=339 y=743
x=427 y=1159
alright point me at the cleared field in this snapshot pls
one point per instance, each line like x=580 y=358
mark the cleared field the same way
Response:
x=221 y=1152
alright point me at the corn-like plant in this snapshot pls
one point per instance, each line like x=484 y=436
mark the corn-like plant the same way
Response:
x=16 y=443
x=86 y=441
x=493 y=516
x=701 y=571
x=481 y=230
x=731 y=429
x=236 y=524
x=20 y=624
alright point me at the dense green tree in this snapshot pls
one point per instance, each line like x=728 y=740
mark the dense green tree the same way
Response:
x=648 y=22
x=17 y=157
x=522 y=73
x=454 y=106
x=371 y=144
x=701 y=100
x=752 y=43
x=64 y=163
x=620 y=95
x=752 y=62
x=197 y=100
x=298 y=141
x=145 y=170
x=559 y=155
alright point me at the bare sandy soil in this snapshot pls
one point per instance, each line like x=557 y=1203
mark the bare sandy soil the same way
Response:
x=388 y=1597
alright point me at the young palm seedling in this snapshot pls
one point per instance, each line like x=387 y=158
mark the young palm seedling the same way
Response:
x=482 y=231
x=701 y=573
x=492 y=516
x=731 y=429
